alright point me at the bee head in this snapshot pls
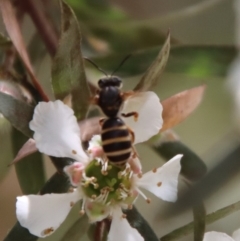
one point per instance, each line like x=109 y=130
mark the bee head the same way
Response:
x=112 y=81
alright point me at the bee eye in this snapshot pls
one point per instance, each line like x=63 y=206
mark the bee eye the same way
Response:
x=101 y=83
x=117 y=82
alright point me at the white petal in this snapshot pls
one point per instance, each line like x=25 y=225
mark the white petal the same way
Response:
x=212 y=236
x=121 y=230
x=75 y=172
x=56 y=131
x=163 y=181
x=42 y=215
x=149 y=109
x=236 y=235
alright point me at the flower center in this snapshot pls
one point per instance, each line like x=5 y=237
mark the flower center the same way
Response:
x=114 y=186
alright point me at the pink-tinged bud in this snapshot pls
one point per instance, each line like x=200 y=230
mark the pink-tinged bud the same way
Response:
x=74 y=172
x=96 y=151
x=135 y=164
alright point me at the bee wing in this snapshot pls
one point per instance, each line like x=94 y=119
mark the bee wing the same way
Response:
x=148 y=119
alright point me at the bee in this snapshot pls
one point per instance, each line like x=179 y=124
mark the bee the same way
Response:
x=117 y=138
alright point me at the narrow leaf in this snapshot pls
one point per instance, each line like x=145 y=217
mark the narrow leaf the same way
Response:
x=154 y=72
x=30 y=171
x=77 y=230
x=224 y=171
x=17 y=112
x=194 y=61
x=210 y=218
x=137 y=221
x=13 y=29
x=68 y=73
x=28 y=148
x=178 y=107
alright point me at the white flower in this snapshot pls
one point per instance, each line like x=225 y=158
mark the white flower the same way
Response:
x=210 y=236
x=57 y=133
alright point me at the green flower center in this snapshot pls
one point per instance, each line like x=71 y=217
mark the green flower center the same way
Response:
x=111 y=187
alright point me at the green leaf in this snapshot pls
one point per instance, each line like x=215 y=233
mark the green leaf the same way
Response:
x=194 y=61
x=210 y=218
x=100 y=19
x=78 y=229
x=17 y=112
x=14 y=31
x=30 y=171
x=152 y=75
x=193 y=168
x=101 y=10
x=58 y=183
x=68 y=73
x=137 y=221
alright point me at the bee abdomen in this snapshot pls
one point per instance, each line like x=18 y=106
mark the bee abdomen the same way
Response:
x=116 y=140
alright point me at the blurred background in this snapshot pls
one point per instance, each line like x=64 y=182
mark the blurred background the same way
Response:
x=205 y=30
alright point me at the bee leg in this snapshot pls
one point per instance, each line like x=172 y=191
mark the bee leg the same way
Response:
x=125 y=95
x=133 y=113
x=132 y=134
x=95 y=99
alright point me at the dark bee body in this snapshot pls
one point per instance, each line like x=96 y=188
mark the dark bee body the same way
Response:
x=116 y=137
x=116 y=140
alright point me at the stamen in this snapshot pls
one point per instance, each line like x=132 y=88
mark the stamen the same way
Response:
x=82 y=212
x=143 y=195
x=139 y=175
x=82 y=209
x=94 y=196
x=159 y=184
x=130 y=175
x=71 y=189
x=86 y=181
x=125 y=172
x=124 y=215
x=130 y=206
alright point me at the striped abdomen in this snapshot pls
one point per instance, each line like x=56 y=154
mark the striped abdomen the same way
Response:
x=116 y=141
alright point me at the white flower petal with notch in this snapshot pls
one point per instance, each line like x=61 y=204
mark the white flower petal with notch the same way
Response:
x=42 y=215
x=149 y=109
x=120 y=228
x=163 y=181
x=56 y=131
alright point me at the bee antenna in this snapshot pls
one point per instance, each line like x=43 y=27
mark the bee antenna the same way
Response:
x=122 y=62
x=95 y=65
